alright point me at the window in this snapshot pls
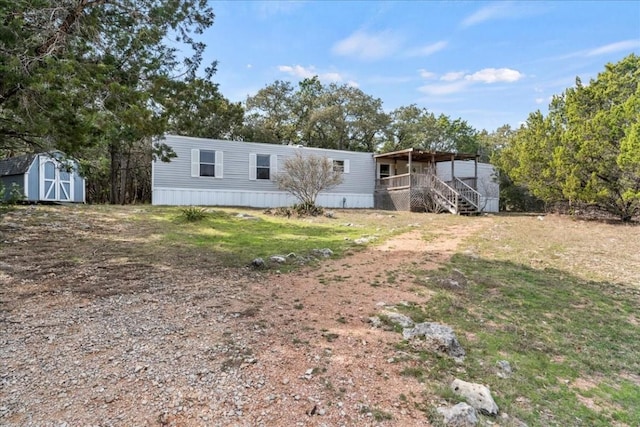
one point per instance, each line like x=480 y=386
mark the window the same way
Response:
x=385 y=171
x=340 y=165
x=207 y=163
x=263 y=166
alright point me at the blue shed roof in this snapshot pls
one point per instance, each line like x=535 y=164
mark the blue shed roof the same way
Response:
x=16 y=165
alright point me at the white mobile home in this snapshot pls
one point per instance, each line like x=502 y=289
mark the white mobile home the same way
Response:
x=235 y=173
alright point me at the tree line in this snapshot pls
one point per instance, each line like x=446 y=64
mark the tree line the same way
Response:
x=101 y=79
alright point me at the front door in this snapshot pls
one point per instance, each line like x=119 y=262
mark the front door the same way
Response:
x=56 y=183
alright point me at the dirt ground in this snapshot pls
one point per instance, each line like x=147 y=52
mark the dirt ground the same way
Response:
x=103 y=330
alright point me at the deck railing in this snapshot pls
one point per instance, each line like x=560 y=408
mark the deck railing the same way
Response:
x=395 y=182
x=451 y=194
x=446 y=195
x=467 y=192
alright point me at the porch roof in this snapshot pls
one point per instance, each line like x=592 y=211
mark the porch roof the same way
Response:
x=425 y=156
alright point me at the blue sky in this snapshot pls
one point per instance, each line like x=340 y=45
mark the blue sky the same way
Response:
x=490 y=63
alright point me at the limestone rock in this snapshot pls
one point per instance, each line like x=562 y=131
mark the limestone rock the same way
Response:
x=504 y=369
x=476 y=395
x=278 y=258
x=324 y=253
x=460 y=415
x=437 y=337
x=398 y=318
x=258 y=263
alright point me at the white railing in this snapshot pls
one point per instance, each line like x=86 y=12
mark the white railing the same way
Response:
x=396 y=181
x=467 y=192
x=446 y=195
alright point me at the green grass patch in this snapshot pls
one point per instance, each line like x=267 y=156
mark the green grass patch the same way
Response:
x=237 y=236
x=558 y=331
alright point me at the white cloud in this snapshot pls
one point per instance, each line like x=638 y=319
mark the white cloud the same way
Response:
x=352 y=83
x=368 y=46
x=452 y=76
x=429 y=49
x=457 y=81
x=624 y=45
x=308 y=72
x=426 y=74
x=489 y=12
x=249 y=66
x=445 y=88
x=494 y=75
x=539 y=100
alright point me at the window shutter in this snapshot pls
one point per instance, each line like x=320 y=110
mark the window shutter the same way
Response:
x=218 y=165
x=252 y=166
x=346 y=166
x=273 y=166
x=195 y=162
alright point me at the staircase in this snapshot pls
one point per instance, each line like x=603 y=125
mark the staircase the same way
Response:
x=456 y=196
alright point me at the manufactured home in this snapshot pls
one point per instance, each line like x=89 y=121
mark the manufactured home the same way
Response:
x=43 y=177
x=235 y=173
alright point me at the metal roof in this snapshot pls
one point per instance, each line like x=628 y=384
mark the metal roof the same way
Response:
x=425 y=156
x=16 y=165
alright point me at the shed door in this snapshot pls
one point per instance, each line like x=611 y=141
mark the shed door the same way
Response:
x=56 y=183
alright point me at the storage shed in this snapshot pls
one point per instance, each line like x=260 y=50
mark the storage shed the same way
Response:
x=43 y=177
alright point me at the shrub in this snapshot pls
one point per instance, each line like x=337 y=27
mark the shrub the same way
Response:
x=194 y=213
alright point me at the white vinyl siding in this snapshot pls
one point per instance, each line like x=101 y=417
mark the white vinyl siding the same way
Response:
x=206 y=163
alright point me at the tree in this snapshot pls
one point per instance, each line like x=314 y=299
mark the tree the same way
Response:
x=332 y=116
x=513 y=197
x=585 y=151
x=413 y=127
x=196 y=107
x=306 y=176
x=270 y=114
x=87 y=77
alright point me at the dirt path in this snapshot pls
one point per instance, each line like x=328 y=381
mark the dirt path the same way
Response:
x=319 y=322
x=104 y=332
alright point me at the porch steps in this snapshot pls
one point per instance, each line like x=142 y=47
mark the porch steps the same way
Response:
x=459 y=199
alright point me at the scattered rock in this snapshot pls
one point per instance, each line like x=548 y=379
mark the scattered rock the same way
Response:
x=325 y=252
x=364 y=240
x=435 y=337
x=258 y=263
x=330 y=214
x=398 y=318
x=460 y=415
x=476 y=395
x=504 y=369
x=375 y=321
x=278 y=259
x=247 y=216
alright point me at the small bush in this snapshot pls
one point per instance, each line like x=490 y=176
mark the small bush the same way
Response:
x=194 y=213
x=310 y=209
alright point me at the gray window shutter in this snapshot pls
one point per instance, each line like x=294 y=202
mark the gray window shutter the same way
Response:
x=195 y=162
x=346 y=166
x=252 y=166
x=273 y=166
x=219 y=163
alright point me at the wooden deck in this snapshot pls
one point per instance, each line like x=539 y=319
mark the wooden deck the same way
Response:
x=420 y=191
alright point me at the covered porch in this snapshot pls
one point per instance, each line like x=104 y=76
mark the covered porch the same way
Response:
x=414 y=179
